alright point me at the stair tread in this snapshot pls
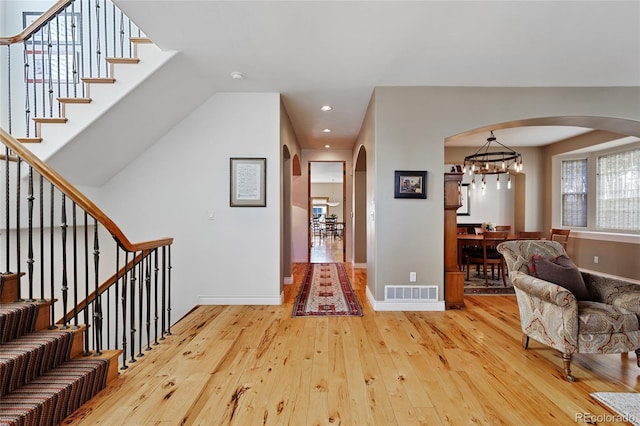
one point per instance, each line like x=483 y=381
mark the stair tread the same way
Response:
x=99 y=80
x=50 y=119
x=122 y=60
x=140 y=40
x=74 y=100
x=29 y=140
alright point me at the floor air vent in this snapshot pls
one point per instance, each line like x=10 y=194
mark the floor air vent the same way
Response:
x=415 y=293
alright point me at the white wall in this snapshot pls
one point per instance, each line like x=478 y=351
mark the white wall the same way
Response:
x=233 y=258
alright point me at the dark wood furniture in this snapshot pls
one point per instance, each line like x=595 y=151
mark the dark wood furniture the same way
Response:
x=487 y=255
x=453 y=277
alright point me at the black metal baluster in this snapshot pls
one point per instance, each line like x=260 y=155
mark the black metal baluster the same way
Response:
x=98 y=51
x=163 y=287
x=74 y=59
x=82 y=70
x=27 y=103
x=75 y=265
x=132 y=304
x=148 y=288
x=18 y=206
x=30 y=259
x=106 y=38
x=41 y=196
x=9 y=97
x=87 y=352
x=49 y=65
x=7 y=214
x=124 y=312
x=155 y=304
x=116 y=298
x=52 y=256
x=65 y=289
x=97 y=310
x=140 y=300
x=169 y=293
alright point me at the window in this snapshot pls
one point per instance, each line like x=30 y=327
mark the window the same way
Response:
x=574 y=193
x=618 y=191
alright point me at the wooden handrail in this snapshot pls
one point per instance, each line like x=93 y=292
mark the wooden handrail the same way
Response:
x=35 y=25
x=113 y=279
x=77 y=197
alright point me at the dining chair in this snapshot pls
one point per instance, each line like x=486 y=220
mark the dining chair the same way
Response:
x=462 y=230
x=560 y=235
x=486 y=255
x=529 y=235
x=503 y=228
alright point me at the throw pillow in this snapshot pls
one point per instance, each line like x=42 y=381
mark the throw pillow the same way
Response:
x=563 y=272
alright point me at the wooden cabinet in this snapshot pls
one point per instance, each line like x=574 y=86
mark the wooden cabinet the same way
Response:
x=454 y=278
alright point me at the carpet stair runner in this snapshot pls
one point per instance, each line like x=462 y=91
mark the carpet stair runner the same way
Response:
x=44 y=376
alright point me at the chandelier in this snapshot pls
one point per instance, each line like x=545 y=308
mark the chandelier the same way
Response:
x=494 y=160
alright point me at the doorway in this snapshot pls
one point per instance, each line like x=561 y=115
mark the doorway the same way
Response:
x=326 y=211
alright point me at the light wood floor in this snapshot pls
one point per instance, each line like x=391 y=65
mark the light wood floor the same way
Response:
x=326 y=249
x=253 y=365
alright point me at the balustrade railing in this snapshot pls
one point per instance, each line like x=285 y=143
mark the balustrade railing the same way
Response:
x=57 y=242
x=67 y=250
x=49 y=61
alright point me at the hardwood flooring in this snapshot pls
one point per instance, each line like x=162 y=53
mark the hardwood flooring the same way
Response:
x=254 y=365
x=326 y=249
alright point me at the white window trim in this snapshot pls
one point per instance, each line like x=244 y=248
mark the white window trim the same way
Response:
x=590 y=231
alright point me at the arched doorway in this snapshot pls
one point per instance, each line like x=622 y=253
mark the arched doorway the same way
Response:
x=360 y=210
x=327 y=221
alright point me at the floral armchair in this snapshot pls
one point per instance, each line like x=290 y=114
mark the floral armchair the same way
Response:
x=605 y=320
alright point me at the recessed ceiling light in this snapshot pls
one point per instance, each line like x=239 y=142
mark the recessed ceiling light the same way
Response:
x=326 y=130
x=326 y=108
x=327 y=146
x=237 y=75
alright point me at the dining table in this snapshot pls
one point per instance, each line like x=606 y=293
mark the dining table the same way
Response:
x=473 y=240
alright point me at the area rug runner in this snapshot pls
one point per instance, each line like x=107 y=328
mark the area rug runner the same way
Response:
x=326 y=291
x=476 y=285
x=625 y=405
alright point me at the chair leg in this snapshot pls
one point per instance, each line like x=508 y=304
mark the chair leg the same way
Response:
x=504 y=274
x=566 y=363
x=525 y=341
x=638 y=356
x=486 y=276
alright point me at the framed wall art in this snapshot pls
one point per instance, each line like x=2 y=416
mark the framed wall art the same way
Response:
x=410 y=184
x=248 y=182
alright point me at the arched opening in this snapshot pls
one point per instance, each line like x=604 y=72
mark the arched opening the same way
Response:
x=360 y=210
x=286 y=275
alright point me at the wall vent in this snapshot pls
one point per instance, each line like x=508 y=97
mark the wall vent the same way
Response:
x=411 y=293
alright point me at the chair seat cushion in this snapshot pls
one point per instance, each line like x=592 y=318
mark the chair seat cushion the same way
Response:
x=600 y=318
x=563 y=272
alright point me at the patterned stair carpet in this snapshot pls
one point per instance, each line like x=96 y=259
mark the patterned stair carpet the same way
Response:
x=326 y=291
x=39 y=384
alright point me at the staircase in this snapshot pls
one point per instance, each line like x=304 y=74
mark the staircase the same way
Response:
x=45 y=374
x=78 y=300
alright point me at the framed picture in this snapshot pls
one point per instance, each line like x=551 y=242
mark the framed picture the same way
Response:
x=410 y=184
x=465 y=208
x=248 y=182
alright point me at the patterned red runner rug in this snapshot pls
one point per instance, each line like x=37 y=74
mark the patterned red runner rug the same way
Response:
x=326 y=291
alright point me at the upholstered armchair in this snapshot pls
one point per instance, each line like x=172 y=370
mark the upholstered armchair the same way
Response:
x=599 y=317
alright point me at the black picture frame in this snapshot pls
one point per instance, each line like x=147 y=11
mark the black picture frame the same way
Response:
x=465 y=201
x=410 y=184
x=248 y=182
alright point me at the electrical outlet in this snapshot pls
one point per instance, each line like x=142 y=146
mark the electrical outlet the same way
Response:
x=595 y=259
x=412 y=277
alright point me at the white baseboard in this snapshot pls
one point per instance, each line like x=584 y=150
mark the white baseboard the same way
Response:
x=404 y=306
x=241 y=300
x=360 y=265
x=288 y=280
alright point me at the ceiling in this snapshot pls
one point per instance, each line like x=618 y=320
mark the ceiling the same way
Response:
x=336 y=52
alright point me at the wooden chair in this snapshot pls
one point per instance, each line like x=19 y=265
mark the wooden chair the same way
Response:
x=487 y=255
x=527 y=235
x=462 y=230
x=503 y=228
x=560 y=235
